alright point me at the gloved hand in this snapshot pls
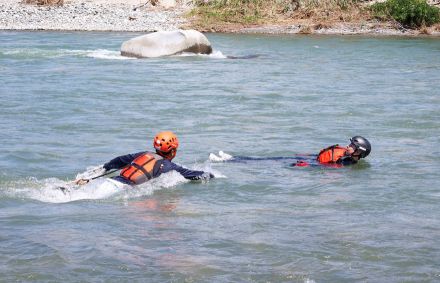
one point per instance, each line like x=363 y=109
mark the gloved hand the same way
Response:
x=81 y=181
x=91 y=172
x=206 y=176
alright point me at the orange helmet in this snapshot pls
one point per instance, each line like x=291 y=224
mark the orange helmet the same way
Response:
x=166 y=144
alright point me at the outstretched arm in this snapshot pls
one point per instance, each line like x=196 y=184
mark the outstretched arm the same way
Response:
x=187 y=173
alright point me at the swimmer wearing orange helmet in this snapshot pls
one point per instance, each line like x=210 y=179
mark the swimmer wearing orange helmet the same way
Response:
x=140 y=167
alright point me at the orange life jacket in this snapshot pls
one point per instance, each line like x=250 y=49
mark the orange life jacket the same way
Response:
x=141 y=168
x=331 y=154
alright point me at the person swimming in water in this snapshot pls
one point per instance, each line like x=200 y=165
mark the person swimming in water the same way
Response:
x=332 y=156
x=336 y=155
x=140 y=167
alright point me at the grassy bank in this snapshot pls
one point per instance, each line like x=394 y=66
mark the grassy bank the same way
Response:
x=219 y=14
x=409 y=13
x=224 y=15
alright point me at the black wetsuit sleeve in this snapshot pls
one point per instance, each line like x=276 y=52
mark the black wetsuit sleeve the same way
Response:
x=186 y=173
x=346 y=160
x=121 y=161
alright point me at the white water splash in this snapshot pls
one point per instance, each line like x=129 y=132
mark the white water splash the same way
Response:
x=104 y=54
x=48 y=190
x=214 y=55
x=221 y=157
x=57 y=53
x=107 y=55
x=115 y=55
x=164 y=181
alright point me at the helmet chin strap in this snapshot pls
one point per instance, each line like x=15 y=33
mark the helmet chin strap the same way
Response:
x=359 y=152
x=357 y=149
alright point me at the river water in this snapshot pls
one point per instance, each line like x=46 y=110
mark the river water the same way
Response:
x=70 y=101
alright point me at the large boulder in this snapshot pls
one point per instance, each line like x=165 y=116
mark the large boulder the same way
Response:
x=165 y=43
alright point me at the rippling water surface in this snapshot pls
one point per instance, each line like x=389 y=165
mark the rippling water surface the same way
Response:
x=69 y=101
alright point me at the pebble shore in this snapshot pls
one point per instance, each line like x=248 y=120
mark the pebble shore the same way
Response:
x=141 y=16
x=89 y=16
x=342 y=29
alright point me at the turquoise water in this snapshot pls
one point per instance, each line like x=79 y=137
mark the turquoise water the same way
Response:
x=69 y=101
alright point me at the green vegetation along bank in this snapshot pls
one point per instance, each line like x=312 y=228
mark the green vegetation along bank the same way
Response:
x=312 y=16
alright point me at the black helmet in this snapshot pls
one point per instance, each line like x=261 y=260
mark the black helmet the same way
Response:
x=361 y=144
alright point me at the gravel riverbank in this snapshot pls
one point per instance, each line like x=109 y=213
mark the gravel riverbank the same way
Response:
x=90 y=16
x=142 y=16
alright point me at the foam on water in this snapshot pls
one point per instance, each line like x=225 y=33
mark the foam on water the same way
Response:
x=56 y=53
x=97 y=54
x=221 y=157
x=216 y=54
x=48 y=190
x=206 y=166
x=115 y=55
x=107 y=54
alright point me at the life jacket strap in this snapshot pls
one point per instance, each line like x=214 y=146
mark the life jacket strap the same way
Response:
x=141 y=168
